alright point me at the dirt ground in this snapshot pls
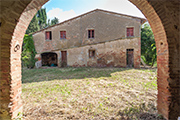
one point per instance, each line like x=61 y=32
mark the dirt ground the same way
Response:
x=89 y=94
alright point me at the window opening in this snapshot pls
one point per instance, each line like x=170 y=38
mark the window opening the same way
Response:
x=62 y=34
x=48 y=35
x=90 y=33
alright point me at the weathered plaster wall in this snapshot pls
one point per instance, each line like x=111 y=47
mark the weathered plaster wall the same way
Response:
x=107 y=54
x=107 y=27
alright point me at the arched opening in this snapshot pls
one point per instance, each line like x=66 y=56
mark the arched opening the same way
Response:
x=167 y=43
x=49 y=59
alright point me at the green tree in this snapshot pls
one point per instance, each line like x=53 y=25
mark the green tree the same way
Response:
x=42 y=18
x=29 y=52
x=33 y=26
x=148 y=47
x=54 y=21
x=38 y=22
x=49 y=23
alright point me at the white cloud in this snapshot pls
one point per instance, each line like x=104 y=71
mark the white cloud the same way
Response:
x=121 y=6
x=60 y=14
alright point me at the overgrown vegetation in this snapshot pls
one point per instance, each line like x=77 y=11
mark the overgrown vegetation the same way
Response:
x=28 y=52
x=38 y=22
x=89 y=93
x=148 y=47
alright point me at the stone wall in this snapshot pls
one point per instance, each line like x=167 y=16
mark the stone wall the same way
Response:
x=107 y=54
x=107 y=27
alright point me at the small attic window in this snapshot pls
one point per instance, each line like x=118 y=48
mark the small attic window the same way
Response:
x=90 y=33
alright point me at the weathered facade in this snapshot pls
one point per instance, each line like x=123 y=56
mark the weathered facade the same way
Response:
x=97 y=38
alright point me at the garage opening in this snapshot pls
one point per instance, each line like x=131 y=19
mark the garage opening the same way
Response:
x=49 y=59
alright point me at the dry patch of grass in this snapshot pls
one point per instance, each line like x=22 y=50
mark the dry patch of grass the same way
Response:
x=89 y=93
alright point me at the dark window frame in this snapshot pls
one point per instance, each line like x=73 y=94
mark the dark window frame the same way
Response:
x=91 y=34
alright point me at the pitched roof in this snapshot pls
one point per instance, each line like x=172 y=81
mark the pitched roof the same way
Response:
x=143 y=20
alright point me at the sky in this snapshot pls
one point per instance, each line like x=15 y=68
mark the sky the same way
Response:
x=66 y=9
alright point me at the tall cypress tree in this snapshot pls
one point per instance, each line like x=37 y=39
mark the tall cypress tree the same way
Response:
x=42 y=18
x=33 y=26
x=38 y=22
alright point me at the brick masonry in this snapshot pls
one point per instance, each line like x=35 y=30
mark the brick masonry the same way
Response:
x=163 y=16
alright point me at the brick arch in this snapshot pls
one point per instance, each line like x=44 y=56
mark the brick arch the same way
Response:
x=16 y=16
x=162 y=54
x=164 y=18
x=15 y=20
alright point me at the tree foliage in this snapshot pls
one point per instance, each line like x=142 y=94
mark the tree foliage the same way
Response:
x=38 y=22
x=33 y=26
x=54 y=21
x=148 y=47
x=42 y=17
x=29 y=52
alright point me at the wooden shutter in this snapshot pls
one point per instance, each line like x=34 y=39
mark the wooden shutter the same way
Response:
x=127 y=32
x=47 y=35
x=61 y=34
x=64 y=35
x=131 y=32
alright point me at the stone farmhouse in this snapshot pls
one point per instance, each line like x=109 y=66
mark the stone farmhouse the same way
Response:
x=97 y=38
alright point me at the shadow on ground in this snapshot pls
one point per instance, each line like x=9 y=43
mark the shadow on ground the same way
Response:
x=140 y=112
x=48 y=74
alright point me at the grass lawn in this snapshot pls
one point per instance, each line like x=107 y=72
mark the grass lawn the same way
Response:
x=89 y=93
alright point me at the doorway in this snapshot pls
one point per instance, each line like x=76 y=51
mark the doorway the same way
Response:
x=63 y=58
x=130 y=57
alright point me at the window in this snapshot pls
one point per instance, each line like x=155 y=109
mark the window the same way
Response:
x=91 y=53
x=90 y=33
x=62 y=34
x=130 y=32
x=48 y=35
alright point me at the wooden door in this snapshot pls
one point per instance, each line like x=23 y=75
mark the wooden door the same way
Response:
x=63 y=58
x=130 y=57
